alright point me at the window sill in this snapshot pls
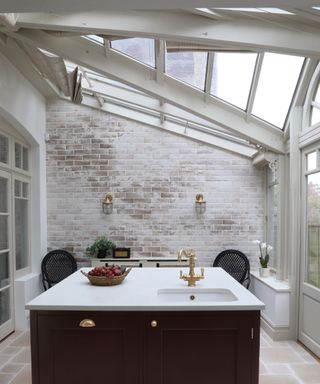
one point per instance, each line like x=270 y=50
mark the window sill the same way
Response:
x=272 y=282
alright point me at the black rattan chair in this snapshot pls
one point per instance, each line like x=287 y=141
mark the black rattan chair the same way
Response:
x=236 y=264
x=56 y=266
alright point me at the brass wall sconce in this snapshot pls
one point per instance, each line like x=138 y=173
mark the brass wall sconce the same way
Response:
x=107 y=204
x=200 y=204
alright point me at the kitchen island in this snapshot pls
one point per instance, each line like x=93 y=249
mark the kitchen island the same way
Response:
x=151 y=329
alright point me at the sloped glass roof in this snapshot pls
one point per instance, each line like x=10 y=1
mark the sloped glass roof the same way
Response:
x=264 y=91
x=276 y=86
x=268 y=94
x=138 y=48
x=189 y=67
x=232 y=77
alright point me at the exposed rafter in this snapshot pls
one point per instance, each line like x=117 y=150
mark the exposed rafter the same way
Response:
x=244 y=34
x=170 y=126
x=119 y=67
x=82 y=5
x=23 y=63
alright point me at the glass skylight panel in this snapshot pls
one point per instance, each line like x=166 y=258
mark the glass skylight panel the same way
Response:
x=139 y=48
x=95 y=38
x=232 y=77
x=189 y=67
x=278 y=11
x=276 y=86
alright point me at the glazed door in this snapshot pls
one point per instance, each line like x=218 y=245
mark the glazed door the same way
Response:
x=6 y=270
x=309 y=330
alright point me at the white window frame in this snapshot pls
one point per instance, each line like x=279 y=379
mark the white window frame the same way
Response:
x=305 y=173
x=24 y=176
x=23 y=179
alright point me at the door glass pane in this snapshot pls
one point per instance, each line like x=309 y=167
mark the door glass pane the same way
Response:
x=4 y=232
x=4 y=149
x=21 y=229
x=4 y=269
x=189 y=67
x=232 y=77
x=313 y=217
x=311 y=161
x=25 y=189
x=4 y=305
x=25 y=158
x=17 y=188
x=17 y=155
x=3 y=195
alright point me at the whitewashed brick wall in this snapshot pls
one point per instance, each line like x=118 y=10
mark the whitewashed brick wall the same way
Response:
x=154 y=177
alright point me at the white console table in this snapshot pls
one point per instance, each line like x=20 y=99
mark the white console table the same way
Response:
x=153 y=262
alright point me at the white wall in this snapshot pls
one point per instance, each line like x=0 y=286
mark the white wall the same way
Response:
x=22 y=112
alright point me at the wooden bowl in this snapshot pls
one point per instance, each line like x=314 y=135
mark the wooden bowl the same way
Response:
x=106 y=281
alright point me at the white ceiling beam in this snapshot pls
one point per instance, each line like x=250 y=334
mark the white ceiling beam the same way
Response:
x=23 y=63
x=209 y=74
x=145 y=101
x=245 y=34
x=160 y=59
x=83 y=5
x=117 y=66
x=169 y=126
x=254 y=85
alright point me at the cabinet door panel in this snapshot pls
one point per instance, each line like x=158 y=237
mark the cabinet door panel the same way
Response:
x=70 y=354
x=206 y=348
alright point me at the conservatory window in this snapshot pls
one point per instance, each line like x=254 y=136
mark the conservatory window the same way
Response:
x=232 y=82
x=189 y=67
x=276 y=86
x=312 y=161
x=138 y=48
x=315 y=107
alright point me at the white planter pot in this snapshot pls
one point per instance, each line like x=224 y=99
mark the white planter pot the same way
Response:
x=264 y=272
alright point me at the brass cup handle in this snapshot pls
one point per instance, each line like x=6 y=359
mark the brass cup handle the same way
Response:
x=154 y=323
x=87 y=323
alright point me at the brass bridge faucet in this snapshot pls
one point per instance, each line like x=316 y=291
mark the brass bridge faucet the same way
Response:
x=192 y=277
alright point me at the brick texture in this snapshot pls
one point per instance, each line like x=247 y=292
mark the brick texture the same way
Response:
x=154 y=177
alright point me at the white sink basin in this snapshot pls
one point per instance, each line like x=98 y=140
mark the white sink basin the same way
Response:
x=196 y=295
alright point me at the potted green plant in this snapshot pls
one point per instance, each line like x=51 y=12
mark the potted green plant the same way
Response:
x=264 y=257
x=101 y=247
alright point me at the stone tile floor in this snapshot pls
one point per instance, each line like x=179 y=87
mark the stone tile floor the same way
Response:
x=281 y=362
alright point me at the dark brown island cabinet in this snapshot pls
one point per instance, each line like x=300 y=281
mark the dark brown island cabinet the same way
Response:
x=154 y=347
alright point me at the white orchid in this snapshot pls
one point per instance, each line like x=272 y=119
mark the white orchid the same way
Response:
x=256 y=242
x=264 y=255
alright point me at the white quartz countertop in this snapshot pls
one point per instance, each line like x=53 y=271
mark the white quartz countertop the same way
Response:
x=140 y=292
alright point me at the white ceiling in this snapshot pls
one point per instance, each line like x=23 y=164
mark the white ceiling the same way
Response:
x=30 y=22
x=87 y=5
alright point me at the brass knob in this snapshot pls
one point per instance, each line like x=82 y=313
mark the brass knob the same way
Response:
x=154 y=323
x=87 y=323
